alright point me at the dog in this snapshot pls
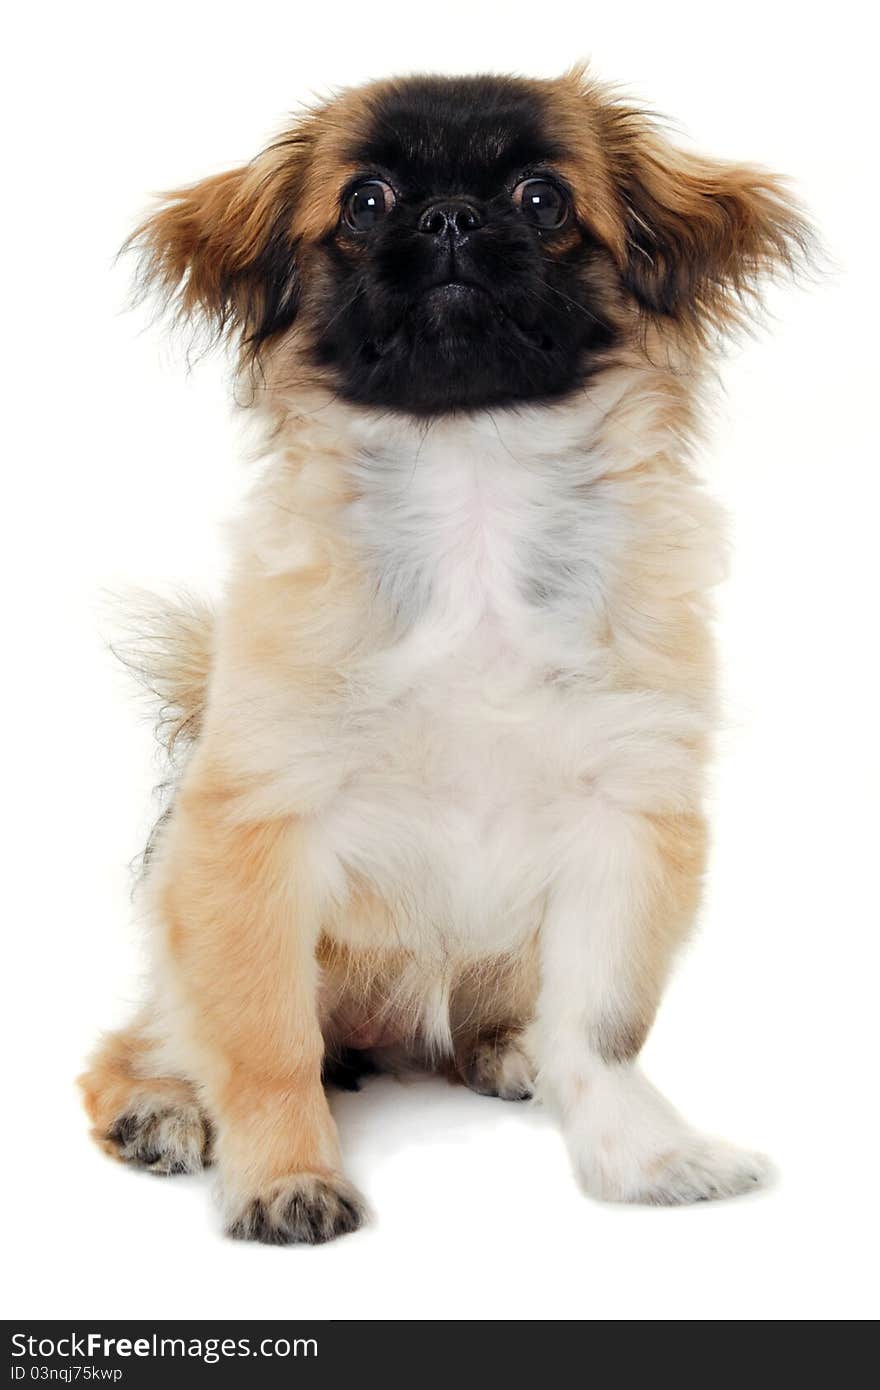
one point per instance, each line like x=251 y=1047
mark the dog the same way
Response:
x=440 y=750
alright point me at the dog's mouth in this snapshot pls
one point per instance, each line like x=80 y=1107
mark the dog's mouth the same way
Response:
x=460 y=306
x=453 y=292
x=459 y=282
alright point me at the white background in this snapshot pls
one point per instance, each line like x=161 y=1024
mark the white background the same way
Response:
x=119 y=469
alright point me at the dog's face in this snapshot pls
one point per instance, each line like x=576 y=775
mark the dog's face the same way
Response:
x=459 y=274
x=442 y=244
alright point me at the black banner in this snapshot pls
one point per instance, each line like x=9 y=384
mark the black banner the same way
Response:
x=138 y=1353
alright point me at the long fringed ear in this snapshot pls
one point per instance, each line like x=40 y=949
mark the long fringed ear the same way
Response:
x=223 y=253
x=700 y=235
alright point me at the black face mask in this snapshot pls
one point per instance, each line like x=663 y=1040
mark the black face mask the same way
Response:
x=459 y=275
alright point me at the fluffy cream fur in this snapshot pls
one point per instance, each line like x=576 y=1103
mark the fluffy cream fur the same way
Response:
x=464 y=669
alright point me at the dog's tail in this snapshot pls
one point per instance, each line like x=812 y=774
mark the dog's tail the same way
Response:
x=169 y=649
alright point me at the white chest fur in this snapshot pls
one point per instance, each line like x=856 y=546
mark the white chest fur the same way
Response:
x=472 y=738
x=489 y=569
x=462 y=529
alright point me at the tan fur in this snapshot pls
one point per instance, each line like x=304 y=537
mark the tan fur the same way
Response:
x=706 y=230
x=240 y=938
x=121 y=1077
x=681 y=850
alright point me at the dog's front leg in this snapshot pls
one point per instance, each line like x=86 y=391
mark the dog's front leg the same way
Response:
x=241 y=921
x=620 y=903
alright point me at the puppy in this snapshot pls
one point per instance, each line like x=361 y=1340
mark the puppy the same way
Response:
x=444 y=740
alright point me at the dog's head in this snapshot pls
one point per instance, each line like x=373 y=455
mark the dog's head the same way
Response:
x=438 y=244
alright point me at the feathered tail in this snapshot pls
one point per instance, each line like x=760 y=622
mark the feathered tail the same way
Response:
x=169 y=651
x=170 y=654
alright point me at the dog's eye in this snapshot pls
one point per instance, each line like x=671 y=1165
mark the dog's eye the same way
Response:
x=541 y=202
x=368 y=204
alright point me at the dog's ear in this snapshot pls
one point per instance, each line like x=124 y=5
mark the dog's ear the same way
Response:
x=700 y=235
x=223 y=252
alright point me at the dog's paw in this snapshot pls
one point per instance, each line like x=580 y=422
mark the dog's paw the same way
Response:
x=498 y=1067
x=305 y=1208
x=162 y=1138
x=697 y=1170
x=630 y=1145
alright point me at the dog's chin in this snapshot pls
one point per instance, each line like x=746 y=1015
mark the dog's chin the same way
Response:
x=448 y=372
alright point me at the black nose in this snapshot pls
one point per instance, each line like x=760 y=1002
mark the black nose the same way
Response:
x=454 y=218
